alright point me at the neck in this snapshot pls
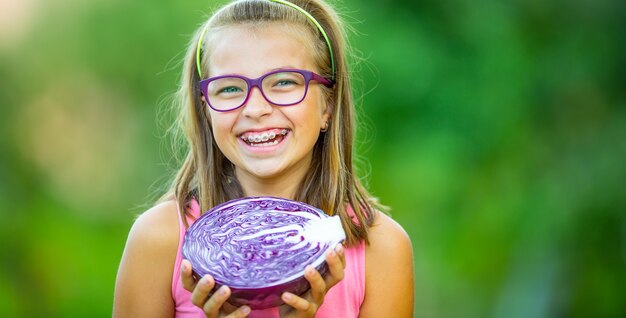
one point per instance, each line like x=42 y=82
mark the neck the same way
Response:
x=285 y=185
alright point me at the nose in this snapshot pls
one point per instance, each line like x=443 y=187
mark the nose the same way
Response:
x=257 y=105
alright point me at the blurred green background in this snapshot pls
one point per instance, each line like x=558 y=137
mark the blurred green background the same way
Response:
x=496 y=131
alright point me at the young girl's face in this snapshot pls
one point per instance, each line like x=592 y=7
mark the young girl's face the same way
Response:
x=252 y=53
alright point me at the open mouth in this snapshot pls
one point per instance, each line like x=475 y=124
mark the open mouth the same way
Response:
x=265 y=138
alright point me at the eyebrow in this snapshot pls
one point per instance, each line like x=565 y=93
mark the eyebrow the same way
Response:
x=284 y=67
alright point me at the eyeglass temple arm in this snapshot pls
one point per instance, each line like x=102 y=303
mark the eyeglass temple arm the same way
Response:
x=323 y=80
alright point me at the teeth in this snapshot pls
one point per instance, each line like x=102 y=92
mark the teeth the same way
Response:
x=250 y=138
x=271 y=143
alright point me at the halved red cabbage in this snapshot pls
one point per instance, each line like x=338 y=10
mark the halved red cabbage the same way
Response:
x=259 y=247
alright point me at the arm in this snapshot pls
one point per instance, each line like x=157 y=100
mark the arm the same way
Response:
x=388 y=271
x=144 y=280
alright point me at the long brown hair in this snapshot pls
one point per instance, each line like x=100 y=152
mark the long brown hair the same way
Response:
x=331 y=183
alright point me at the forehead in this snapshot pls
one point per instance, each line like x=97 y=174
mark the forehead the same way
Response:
x=253 y=50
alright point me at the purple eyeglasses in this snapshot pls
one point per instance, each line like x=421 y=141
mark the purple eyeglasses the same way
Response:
x=283 y=87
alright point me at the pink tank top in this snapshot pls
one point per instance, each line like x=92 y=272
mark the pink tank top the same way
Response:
x=342 y=300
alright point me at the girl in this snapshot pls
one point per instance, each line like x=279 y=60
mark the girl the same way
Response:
x=267 y=109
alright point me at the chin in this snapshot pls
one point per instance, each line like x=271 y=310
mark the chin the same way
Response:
x=265 y=170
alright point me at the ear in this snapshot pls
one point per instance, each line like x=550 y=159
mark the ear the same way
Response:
x=327 y=110
x=325 y=120
x=327 y=107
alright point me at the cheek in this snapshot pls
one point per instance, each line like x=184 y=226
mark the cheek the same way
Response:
x=222 y=125
x=309 y=121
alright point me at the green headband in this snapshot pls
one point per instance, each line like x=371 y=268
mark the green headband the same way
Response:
x=309 y=16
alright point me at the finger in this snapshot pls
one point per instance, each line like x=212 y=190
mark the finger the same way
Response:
x=335 y=267
x=340 y=249
x=318 y=285
x=242 y=311
x=186 y=276
x=202 y=290
x=228 y=307
x=213 y=305
x=299 y=303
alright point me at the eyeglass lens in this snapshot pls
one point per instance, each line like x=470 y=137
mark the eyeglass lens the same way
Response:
x=283 y=88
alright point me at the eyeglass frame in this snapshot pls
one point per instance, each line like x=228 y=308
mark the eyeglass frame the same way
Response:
x=256 y=82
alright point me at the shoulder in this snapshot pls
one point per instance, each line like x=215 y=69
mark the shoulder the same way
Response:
x=390 y=245
x=154 y=236
x=388 y=262
x=158 y=225
x=387 y=233
x=148 y=264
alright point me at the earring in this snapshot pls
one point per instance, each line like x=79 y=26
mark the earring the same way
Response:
x=325 y=127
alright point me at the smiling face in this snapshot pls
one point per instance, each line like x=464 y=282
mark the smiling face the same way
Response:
x=269 y=145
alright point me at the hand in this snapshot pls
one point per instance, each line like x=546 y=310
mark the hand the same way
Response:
x=306 y=306
x=214 y=306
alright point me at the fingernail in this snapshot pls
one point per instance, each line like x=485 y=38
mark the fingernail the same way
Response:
x=287 y=296
x=205 y=280
x=245 y=310
x=183 y=266
x=339 y=248
x=222 y=290
x=308 y=270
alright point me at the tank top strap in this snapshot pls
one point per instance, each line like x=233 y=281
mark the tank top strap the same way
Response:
x=181 y=297
x=193 y=209
x=351 y=214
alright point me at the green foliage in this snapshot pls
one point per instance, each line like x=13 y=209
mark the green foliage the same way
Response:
x=495 y=130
